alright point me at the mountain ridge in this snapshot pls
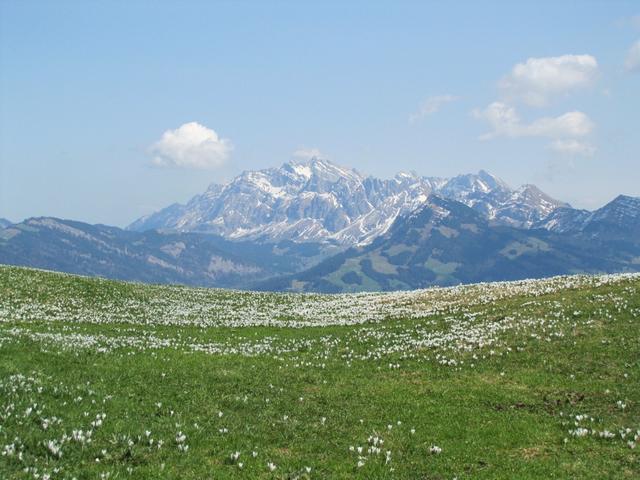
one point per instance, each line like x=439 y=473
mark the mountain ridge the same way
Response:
x=186 y=258
x=317 y=200
x=446 y=242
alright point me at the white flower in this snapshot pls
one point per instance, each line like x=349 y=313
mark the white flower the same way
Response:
x=435 y=450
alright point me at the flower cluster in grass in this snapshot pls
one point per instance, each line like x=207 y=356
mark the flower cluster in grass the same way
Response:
x=65 y=298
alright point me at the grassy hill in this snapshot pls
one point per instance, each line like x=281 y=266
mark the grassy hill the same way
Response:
x=527 y=379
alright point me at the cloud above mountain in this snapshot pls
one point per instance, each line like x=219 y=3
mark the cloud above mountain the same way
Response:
x=308 y=154
x=191 y=145
x=572 y=147
x=537 y=81
x=632 y=62
x=505 y=121
x=431 y=105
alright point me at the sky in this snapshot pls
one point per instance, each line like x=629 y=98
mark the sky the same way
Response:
x=112 y=110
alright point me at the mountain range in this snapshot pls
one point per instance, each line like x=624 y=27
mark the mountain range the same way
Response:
x=445 y=242
x=319 y=201
x=318 y=226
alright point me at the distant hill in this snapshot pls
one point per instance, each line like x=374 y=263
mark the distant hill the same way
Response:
x=4 y=223
x=446 y=243
x=186 y=258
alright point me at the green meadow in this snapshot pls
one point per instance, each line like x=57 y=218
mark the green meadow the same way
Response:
x=112 y=380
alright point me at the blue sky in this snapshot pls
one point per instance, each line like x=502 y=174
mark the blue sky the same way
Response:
x=534 y=92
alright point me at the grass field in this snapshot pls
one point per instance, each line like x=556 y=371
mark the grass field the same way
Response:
x=532 y=379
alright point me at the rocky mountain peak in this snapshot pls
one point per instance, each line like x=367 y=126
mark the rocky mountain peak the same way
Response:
x=622 y=210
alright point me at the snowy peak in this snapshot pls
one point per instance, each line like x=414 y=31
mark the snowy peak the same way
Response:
x=300 y=169
x=621 y=216
x=491 y=180
x=494 y=199
x=470 y=185
x=621 y=210
x=320 y=169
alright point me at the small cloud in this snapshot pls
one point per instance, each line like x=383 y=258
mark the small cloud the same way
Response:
x=632 y=62
x=191 y=145
x=572 y=147
x=632 y=21
x=505 y=122
x=635 y=21
x=308 y=154
x=536 y=81
x=431 y=105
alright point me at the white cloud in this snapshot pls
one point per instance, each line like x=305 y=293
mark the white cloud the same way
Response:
x=431 y=105
x=191 y=146
x=572 y=146
x=632 y=21
x=504 y=121
x=308 y=153
x=537 y=80
x=502 y=118
x=632 y=62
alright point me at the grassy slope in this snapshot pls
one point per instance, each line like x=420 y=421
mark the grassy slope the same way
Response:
x=504 y=415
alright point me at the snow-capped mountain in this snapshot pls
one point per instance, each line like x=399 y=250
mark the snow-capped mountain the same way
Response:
x=317 y=200
x=498 y=202
x=619 y=216
x=445 y=242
